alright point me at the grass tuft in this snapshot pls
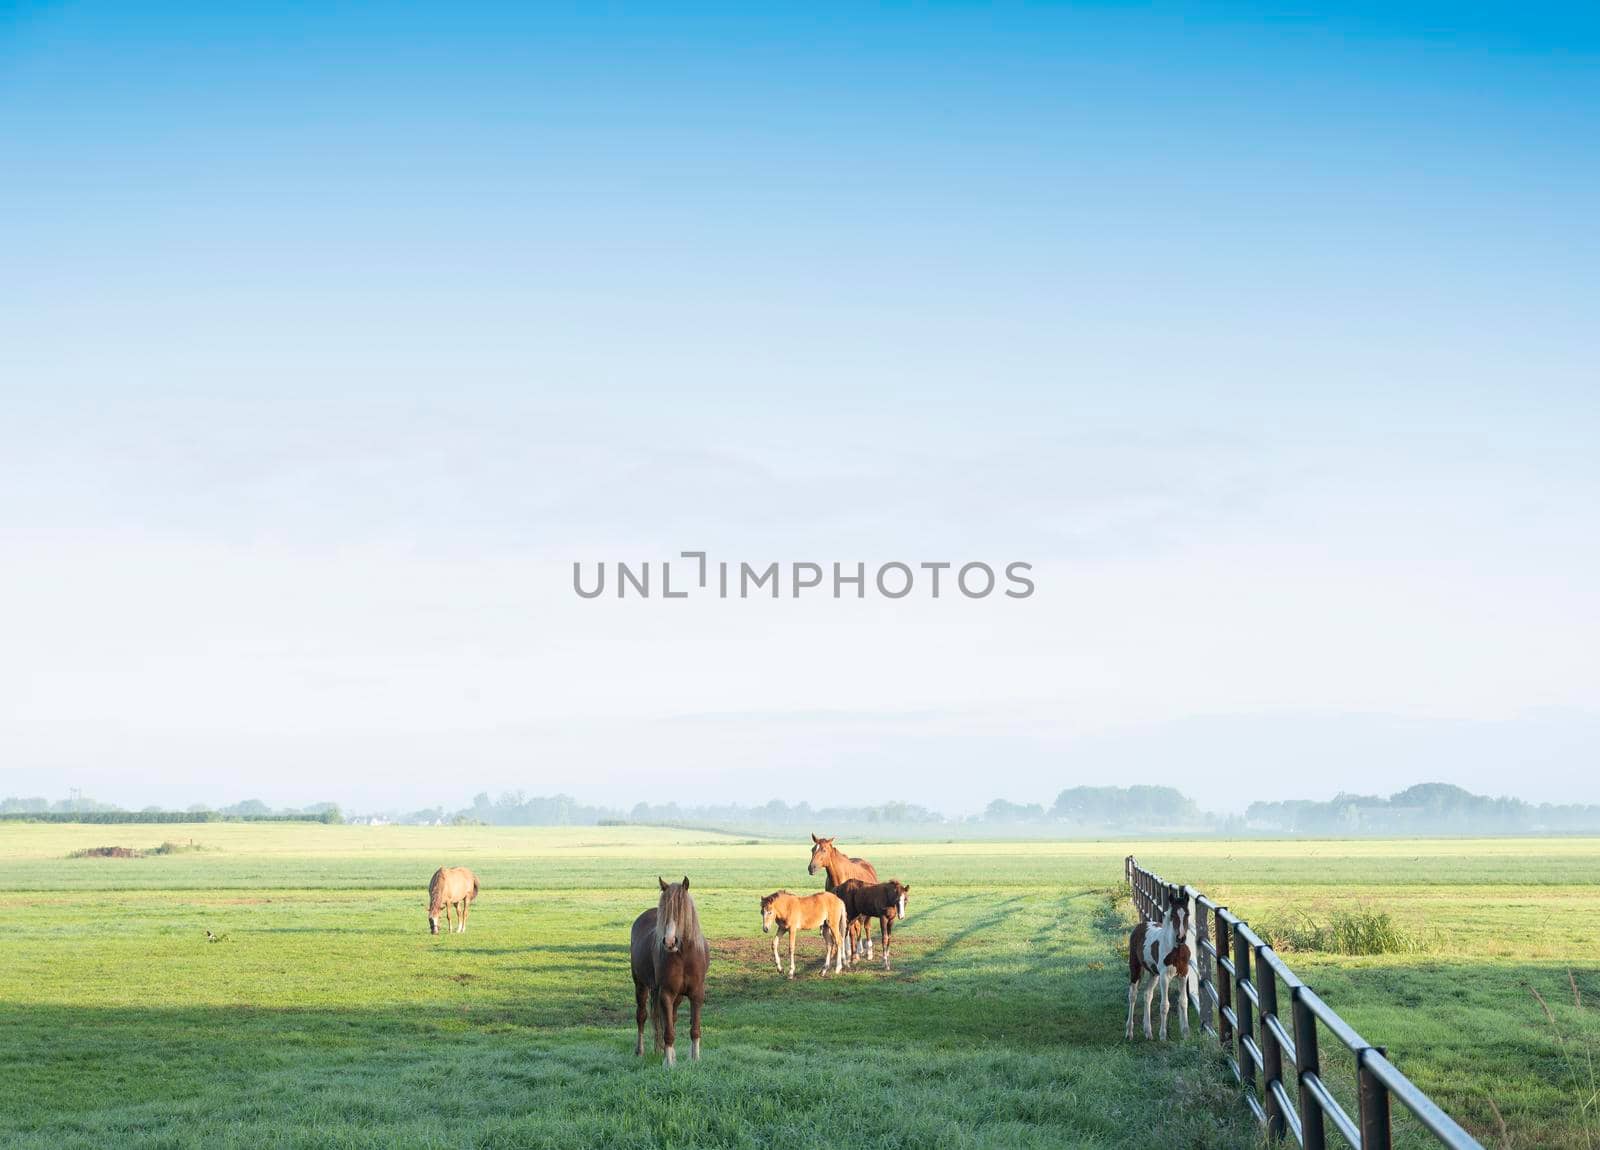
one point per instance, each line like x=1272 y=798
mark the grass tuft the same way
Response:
x=1576 y=1045
x=1351 y=932
x=166 y=848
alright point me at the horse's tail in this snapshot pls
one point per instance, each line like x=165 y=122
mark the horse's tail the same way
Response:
x=658 y=1024
x=474 y=886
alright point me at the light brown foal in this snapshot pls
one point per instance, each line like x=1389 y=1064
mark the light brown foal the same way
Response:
x=794 y=913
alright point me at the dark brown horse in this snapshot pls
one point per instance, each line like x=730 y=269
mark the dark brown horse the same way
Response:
x=863 y=902
x=669 y=958
x=839 y=865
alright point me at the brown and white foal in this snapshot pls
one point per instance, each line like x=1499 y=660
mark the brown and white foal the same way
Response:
x=1160 y=953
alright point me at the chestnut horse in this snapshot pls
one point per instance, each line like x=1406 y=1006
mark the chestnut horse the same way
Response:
x=669 y=956
x=794 y=913
x=451 y=887
x=839 y=865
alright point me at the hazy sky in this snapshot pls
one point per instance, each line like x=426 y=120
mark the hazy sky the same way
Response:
x=329 y=341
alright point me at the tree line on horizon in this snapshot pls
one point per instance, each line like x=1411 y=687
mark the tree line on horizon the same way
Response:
x=1427 y=808
x=88 y=810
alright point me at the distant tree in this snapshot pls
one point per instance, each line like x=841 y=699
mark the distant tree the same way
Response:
x=1139 y=805
x=1002 y=811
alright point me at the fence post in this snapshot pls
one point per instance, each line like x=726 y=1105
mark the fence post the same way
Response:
x=1224 y=981
x=1271 y=1048
x=1374 y=1099
x=1312 y=1133
x=1203 y=963
x=1241 y=1009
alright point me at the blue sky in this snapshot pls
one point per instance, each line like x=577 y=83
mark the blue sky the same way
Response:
x=331 y=337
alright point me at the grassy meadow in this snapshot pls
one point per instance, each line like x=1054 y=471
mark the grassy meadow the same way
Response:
x=328 y=1016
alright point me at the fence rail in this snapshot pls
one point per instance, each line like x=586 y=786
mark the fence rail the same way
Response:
x=1240 y=980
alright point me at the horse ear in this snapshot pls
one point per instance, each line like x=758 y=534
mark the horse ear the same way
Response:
x=685 y=882
x=662 y=881
x=814 y=837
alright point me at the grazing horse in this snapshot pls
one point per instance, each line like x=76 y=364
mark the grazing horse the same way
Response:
x=451 y=888
x=669 y=956
x=1159 y=952
x=794 y=913
x=863 y=902
x=839 y=865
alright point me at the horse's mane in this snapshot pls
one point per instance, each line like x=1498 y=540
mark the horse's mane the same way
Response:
x=434 y=884
x=677 y=906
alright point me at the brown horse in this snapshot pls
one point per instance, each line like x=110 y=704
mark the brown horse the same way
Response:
x=669 y=957
x=839 y=865
x=451 y=888
x=794 y=913
x=884 y=901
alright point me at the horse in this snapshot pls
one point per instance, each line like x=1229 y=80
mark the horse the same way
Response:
x=863 y=902
x=839 y=865
x=1160 y=952
x=794 y=913
x=451 y=887
x=669 y=957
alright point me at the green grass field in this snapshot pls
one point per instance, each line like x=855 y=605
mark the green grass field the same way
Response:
x=330 y=1017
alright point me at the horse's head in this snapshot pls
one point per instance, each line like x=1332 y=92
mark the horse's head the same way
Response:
x=822 y=852
x=768 y=913
x=900 y=892
x=434 y=907
x=1177 y=917
x=674 y=913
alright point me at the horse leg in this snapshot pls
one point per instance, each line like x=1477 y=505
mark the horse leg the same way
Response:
x=695 y=1003
x=776 y=936
x=657 y=1021
x=466 y=909
x=1133 y=988
x=866 y=931
x=1149 y=993
x=641 y=995
x=1165 y=985
x=791 y=951
x=449 y=926
x=888 y=933
x=669 y=1026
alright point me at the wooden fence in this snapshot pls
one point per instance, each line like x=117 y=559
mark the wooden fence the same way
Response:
x=1241 y=985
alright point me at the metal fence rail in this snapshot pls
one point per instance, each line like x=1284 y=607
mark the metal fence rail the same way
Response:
x=1240 y=980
